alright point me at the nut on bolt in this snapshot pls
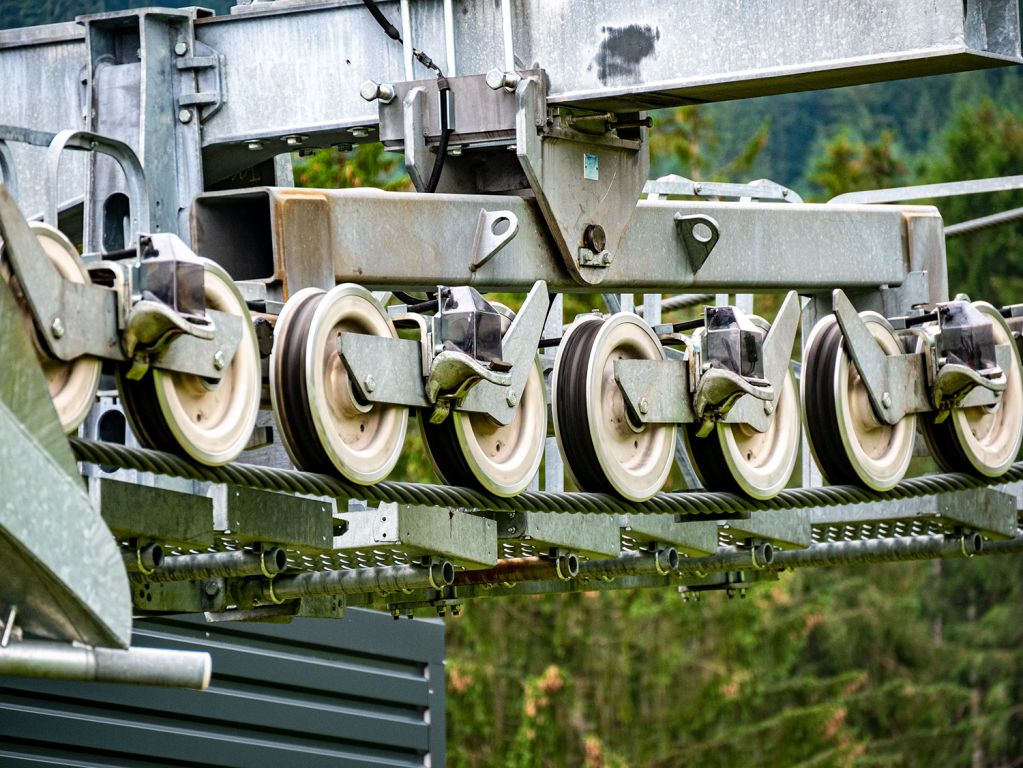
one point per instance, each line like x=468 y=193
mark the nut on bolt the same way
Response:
x=644 y=405
x=219 y=361
x=512 y=398
x=886 y=400
x=374 y=91
x=57 y=328
x=594 y=238
x=369 y=384
x=498 y=78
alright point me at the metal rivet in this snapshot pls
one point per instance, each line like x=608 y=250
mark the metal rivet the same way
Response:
x=369 y=384
x=181 y=48
x=219 y=361
x=57 y=327
x=644 y=405
x=185 y=115
x=886 y=400
x=512 y=398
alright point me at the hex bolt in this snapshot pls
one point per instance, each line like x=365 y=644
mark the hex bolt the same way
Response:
x=359 y=133
x=374 y=91
x=219 y=361
x=512 y=398
x=185 y=115
x=769 y=407
x=295 y=140
x=886 y=400
x=211 y=588
x=644 y=405
x=57 y=328
x=498 y=78
x=181 y=48
x=254 y=146
x=370 y=383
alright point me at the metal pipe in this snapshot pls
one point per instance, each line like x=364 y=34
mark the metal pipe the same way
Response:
x=881 y=551
x=391 y=578
x=564 y=568
x=731 y=559
x=138 y=666
x=1009 y=547
x=144 y=560
x=218 y=565
x=641 y=563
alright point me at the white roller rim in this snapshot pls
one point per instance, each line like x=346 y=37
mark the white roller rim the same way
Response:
x=990 y=436
x=635 y=462
x=364 y=444
x=72 y=383
x=506 y=458
x=762 y=462
x=879 y=453
x=212 y=423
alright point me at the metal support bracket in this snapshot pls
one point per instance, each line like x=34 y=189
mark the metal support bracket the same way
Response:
x=656 y=391
x=895 y=384
x=416 y=153
x=488 y=240
x=699 y=235
x=208 y=95
x=609 y=173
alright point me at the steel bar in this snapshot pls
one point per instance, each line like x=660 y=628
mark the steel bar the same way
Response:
x=139 y=666
x=729 y=559
x=519 y=569
x=881 y=551
x=217 y=565
x=838 y=246
x=392 y=578
x=641 y=563
x=930 y=191
x=705 y=503
x=144 y=560
x=1010 y=547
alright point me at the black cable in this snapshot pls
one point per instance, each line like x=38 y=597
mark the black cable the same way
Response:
x=445 y=131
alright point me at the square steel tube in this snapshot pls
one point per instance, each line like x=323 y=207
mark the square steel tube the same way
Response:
x=395 y=239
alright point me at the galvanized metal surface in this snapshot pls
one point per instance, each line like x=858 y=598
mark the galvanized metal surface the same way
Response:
x=62 y=568
x=364 y=691
x=850 y=246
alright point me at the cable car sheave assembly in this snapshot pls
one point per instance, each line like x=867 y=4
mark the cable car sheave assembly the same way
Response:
x=238 y=389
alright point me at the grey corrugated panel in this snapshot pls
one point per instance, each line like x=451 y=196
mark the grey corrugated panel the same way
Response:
x=361 y=691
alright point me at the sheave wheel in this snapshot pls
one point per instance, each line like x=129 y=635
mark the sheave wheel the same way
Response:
x=983 y=439
x=323 y=424
x=474 y=451
x=210 y=421
x=604 y=447
x=850 y=444
x=72 y=383
x=738 y=459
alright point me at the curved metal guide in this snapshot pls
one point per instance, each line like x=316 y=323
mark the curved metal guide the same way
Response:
x=62 y=568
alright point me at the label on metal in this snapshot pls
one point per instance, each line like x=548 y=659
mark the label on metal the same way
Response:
x=591 y=167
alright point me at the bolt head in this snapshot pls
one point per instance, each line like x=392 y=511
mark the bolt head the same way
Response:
x=495 y=78
x=293 y=141
x=369 y=384
x=219 y=361
x=181 y=48
x=212 y=588
x=370 y=90
x=644 y=405
x=886 y=400
x=512 y=398
x=185 y=115
x=594 y=238
x=769 y=407
x=254 y=146
x=57 y=328
x=359 y=133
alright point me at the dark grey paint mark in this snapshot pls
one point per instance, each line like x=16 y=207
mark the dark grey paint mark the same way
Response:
x=622 y=50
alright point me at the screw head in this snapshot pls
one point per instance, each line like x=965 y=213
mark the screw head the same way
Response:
x=512 y=398
x=644 y=405
x=185 y=115
x=219 y=361
x=369 y=384
x=57 y=328
x=181 y=48
x=886 y=400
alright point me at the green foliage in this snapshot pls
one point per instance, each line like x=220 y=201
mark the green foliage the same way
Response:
x=850 y=166
x=367 y=165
